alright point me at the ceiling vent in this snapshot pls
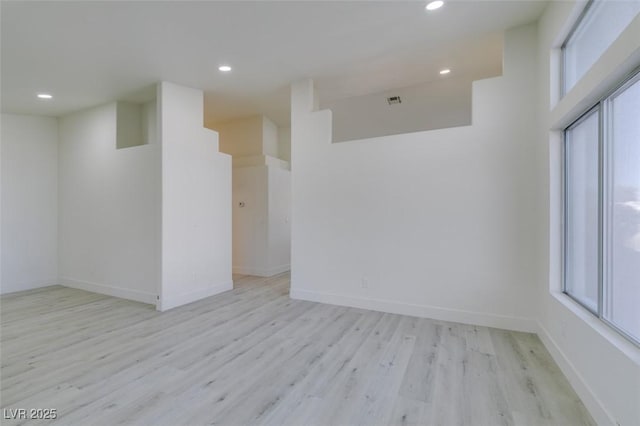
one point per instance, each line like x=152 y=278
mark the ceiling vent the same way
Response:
x=394 y=100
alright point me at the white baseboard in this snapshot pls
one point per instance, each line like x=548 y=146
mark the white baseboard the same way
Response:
x=261 y=272
x=590 y=401
x=424 y=311
x=123 y=293
x=279 y=269
x=28 y=286
x=167 y=303
x=242 y=270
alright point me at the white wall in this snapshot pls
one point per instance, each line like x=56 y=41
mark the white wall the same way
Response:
x=196 y=201
x=434 y=105
x=284 y=143
x=434 y=223
x=249 y=136
x=150 y=122
x=129 y=126
x=140 y=222
x=261 y=227
x=250 y=221
x=279 y=217
x=109 y=208
x=602 y=367
x=269 y=138
x=29 y=157
x=261 y=230
x=241 y=137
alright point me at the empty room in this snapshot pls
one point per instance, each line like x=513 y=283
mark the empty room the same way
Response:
x=392 y=212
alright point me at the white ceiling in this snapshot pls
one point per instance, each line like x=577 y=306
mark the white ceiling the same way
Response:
x=87 y=53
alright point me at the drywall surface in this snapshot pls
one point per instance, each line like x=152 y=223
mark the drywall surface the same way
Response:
x=150 y=122
x=129 y=124
x=284 y=143
x=602 y=367
x=261 y=196
x=434 y=223
x=250 y=215
x=279 y=220
x=269 y=138
x=434 y=105
x=261 y=224
x=109 y=208
x=29 y=155
x=249 y=137
x=241 y=137
x=196 y=201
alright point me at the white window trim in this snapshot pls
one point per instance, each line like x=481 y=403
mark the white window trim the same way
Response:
x=600 y=107
x=617 y=63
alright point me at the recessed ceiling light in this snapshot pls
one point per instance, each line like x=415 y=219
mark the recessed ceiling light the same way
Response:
x=224 y=68
x=435 y=5
x=445 y=71
x=44 y=96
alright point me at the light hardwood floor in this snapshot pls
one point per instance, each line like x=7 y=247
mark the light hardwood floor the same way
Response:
x=253 y=356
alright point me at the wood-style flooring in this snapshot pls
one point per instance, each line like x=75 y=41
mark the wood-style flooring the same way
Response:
x=254 y=356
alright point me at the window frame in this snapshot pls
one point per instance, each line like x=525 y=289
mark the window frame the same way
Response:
x=595 y=109
x=563 y=47
x=606 y=206
x=603 y=108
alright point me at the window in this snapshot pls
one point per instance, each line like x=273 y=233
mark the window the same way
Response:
x=622 y=210
x=582 y=209
x=602 y=209
x=601 y=23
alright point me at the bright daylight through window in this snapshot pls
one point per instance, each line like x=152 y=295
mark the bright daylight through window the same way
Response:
x=602 y=209
x=601 y=265
x=601 y=23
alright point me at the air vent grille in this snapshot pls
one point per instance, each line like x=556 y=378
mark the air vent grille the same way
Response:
x=394 y=100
